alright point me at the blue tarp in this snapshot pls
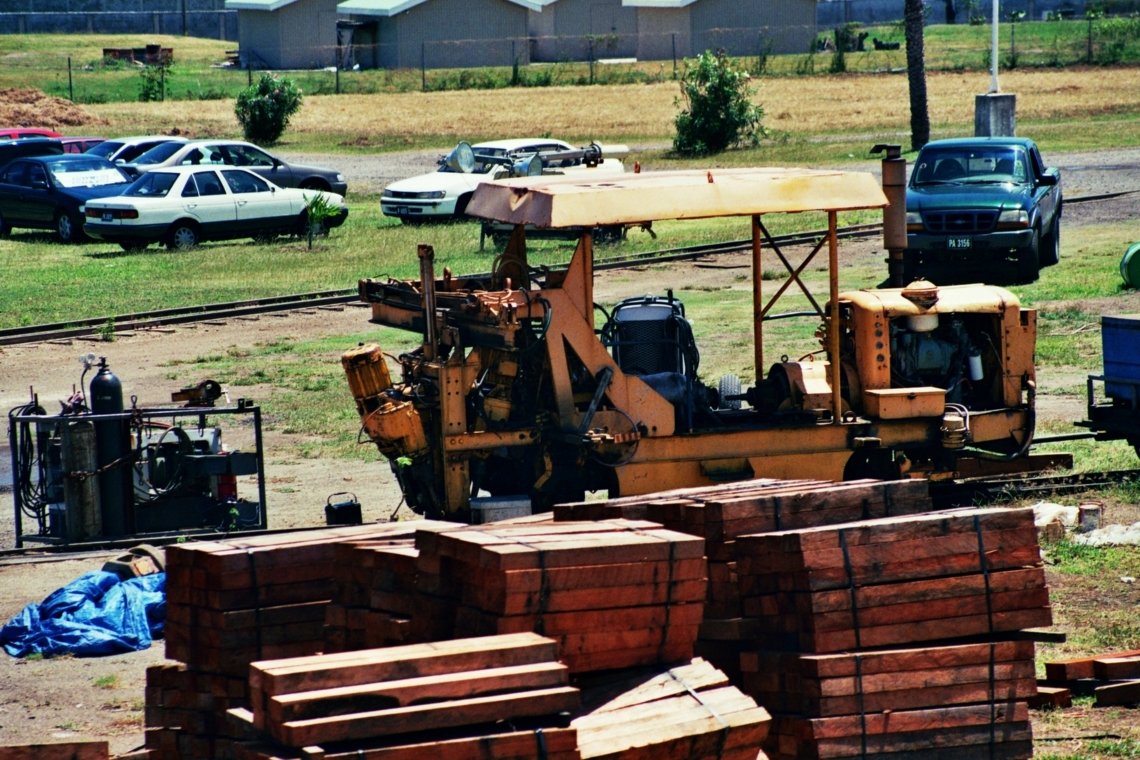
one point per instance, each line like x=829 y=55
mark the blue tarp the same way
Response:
x=96 y=614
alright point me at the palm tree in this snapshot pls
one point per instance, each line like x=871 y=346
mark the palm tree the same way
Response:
x=916 y=74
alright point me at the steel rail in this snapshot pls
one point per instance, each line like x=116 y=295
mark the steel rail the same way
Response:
x=86 y=327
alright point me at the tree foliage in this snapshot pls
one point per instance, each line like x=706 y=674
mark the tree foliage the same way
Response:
x=717 y=112
x=264 y=109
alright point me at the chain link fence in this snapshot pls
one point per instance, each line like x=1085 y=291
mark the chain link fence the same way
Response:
x=551 y=61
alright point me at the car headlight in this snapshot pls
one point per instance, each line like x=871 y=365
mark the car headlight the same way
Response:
x=432 y=195
x=1013 y=219
x=913 y=221
x=339 y=177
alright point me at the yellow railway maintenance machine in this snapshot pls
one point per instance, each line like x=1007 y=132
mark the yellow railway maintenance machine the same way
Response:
x=517 y=396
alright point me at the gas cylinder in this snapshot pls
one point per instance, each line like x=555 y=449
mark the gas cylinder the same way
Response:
x=112 y=441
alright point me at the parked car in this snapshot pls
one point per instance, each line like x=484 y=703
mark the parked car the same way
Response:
x=28 y=146
x=239 y=153
x=444 y=193
x=49 y=192
x=20 y=133
x=123 y=149
x=982 y=209
x=185 y=205
x=79 y=144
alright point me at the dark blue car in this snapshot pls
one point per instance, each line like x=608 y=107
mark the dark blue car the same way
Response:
x=49 y=192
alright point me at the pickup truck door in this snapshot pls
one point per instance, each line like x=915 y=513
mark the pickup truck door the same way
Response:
x=1046 y=189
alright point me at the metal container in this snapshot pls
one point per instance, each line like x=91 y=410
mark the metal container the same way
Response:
x=346 y=511
x=1120 y=343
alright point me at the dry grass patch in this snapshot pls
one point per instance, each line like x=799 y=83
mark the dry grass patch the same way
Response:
x=797 y=105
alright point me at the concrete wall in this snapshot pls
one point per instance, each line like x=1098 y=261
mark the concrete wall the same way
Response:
x=299 y=36
x=564 y=30
x=453 y=34
x=749 y=27
x=202 y=18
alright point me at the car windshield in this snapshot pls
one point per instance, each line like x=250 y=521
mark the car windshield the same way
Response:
x=152 y=185
x=158 y=153
x=965 y=164
x=105 y=148
x=92 y=173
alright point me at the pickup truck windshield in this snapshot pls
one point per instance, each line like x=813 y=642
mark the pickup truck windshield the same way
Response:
x=961 y=165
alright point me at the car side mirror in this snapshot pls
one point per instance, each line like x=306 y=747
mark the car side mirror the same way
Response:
x=1048 y=179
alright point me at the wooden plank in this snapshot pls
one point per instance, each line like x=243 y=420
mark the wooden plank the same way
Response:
x=413 y=718
x=1060 y=671
x=1119 y=693
x=373 y=665
x=1117 y=668
x=403 y=692
x=557 y=744
x=906 y=721
x=1056 y=697
x=81 y=750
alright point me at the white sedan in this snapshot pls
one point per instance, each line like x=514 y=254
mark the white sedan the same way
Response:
x=444 y=193
x=183 y=206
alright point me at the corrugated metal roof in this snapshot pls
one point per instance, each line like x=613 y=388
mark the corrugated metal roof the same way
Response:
x=585 y=201
x=258 y=5
x=394 y=7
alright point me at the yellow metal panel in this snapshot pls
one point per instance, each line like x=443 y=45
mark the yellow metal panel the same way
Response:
x=903 y=403
x=565 y=201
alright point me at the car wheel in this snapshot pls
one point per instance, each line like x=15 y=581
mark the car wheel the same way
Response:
x=1051 y=245
x=461 y=206
x=133 y=246
x=264 y=238
x=315 y=184
x=1029 y=260
x=67 y=229
x=182 y=236
x=4 y=227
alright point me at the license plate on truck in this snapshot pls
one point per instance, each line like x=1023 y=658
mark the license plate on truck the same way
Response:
x=958 y=243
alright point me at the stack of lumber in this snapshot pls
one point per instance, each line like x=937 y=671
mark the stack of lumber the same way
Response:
x=1113 y=678
x=374 y=599
x=688 y=712
x=232 y=602
x=613 y=594
x=380 y=701
x=885 y=582
x=720 y=514
x=860 y=632
x=965 y=697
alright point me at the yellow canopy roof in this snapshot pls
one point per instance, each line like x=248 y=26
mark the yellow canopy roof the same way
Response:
x=572 y=201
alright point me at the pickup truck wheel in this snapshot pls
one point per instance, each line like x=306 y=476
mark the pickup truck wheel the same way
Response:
x=1051 y=245
x=1029 y=261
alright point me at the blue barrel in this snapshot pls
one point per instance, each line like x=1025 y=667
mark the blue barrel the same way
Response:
x=1130 y=266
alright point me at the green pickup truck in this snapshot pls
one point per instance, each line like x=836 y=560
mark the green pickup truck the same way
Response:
x=981 y=209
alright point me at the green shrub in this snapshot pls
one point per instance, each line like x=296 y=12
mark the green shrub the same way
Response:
x=264 y=109
x=718 y=112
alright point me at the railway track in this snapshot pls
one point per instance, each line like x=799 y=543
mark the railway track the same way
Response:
x=80 y=328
